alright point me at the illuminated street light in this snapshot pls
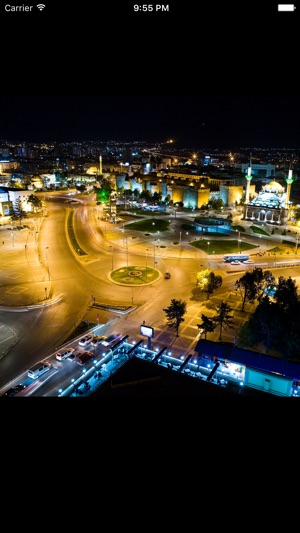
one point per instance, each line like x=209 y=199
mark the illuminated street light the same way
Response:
x=47 y=248
x=112 y=258
x=126 y=239
x=208 y=243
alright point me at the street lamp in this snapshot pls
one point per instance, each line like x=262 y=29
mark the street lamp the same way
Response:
x=208 y=243
x=47 y=248
x=239 y=240
x=112 y=258
x=154 y=256
x=146 y=256
x=297 y=239
x=180 y=237
x=126 y=239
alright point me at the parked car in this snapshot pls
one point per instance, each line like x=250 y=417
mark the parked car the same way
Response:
x=84 y=358
x=14 y=390
x=38 y=369
x=111 y=339
x=98 y=340
x=73 y=356
x=87 y=339
x=64 y=354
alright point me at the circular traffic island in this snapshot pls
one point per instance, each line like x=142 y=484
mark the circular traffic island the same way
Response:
x=134 y=275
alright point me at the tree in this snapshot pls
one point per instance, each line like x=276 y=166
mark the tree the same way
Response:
x=213 y=283
x=274 y=323
x=223 y=317
x=208 y=281
x=104 y=191
x=35 y=202
x=18 y=213
x=286 y=294
x=207 y=325
x=175 y=313
x=253 y=284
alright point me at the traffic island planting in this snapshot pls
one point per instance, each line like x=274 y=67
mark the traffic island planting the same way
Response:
x=134 y=275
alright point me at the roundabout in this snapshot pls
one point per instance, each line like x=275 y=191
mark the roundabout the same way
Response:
x=134 y=275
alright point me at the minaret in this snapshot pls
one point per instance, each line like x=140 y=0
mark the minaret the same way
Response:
x=248 y=178
x=289 y=182
x=100 y=164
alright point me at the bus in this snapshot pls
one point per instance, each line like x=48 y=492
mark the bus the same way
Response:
x=240 y=257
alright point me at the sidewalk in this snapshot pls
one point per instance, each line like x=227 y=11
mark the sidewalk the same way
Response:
x=24 y=279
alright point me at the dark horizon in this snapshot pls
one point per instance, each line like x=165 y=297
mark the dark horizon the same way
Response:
x=191 y=121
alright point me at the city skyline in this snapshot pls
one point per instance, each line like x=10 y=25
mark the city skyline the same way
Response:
x=191 y=121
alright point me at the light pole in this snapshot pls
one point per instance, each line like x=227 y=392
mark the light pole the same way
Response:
x=112 y=258
x=154 y=256
x=146 y=256
x=180 y=238
x=208 y=243
x=126 y=239
x=239 y=240
x=47 y=248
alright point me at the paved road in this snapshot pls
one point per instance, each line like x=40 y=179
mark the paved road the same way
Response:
x=25 y=281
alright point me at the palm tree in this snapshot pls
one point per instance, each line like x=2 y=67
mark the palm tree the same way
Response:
x=223 y=318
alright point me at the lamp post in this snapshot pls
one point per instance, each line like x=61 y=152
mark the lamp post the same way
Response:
x=47 y=248
x=180 y=238
x=208 y=243
x=154 y=256
x=146 y=256
x=126 y=239
x=112 y=258
x=239 y=241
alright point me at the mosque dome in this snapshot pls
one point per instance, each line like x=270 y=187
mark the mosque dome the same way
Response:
x=274 y=187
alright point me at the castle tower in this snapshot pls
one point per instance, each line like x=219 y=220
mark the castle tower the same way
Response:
x=248 y=178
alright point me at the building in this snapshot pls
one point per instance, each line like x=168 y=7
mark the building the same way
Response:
x=258 y=170
x=272 y=204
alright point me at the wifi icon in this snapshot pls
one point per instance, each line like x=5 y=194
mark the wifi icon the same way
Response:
x=41 y=6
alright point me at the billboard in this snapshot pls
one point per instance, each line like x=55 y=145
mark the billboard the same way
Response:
x=147 y=331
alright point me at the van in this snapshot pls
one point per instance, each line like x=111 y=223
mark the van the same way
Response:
x=38 y=369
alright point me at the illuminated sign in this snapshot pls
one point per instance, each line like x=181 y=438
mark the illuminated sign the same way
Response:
x=147 y=331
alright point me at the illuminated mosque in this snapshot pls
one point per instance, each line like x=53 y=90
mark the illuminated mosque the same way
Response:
x=272 y=204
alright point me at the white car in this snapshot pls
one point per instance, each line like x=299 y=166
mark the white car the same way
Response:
x=64 y=354
x=235 y=263
x=87 y=339
x=248 y=261
x=111 y=339
x=98 y=340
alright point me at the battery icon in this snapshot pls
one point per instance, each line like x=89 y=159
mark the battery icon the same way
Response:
x=286 y=7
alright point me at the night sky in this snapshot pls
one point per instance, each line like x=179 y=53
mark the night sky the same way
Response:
x=192 y=121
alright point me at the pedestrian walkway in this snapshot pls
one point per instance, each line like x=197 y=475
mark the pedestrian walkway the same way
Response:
x=24 y=278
